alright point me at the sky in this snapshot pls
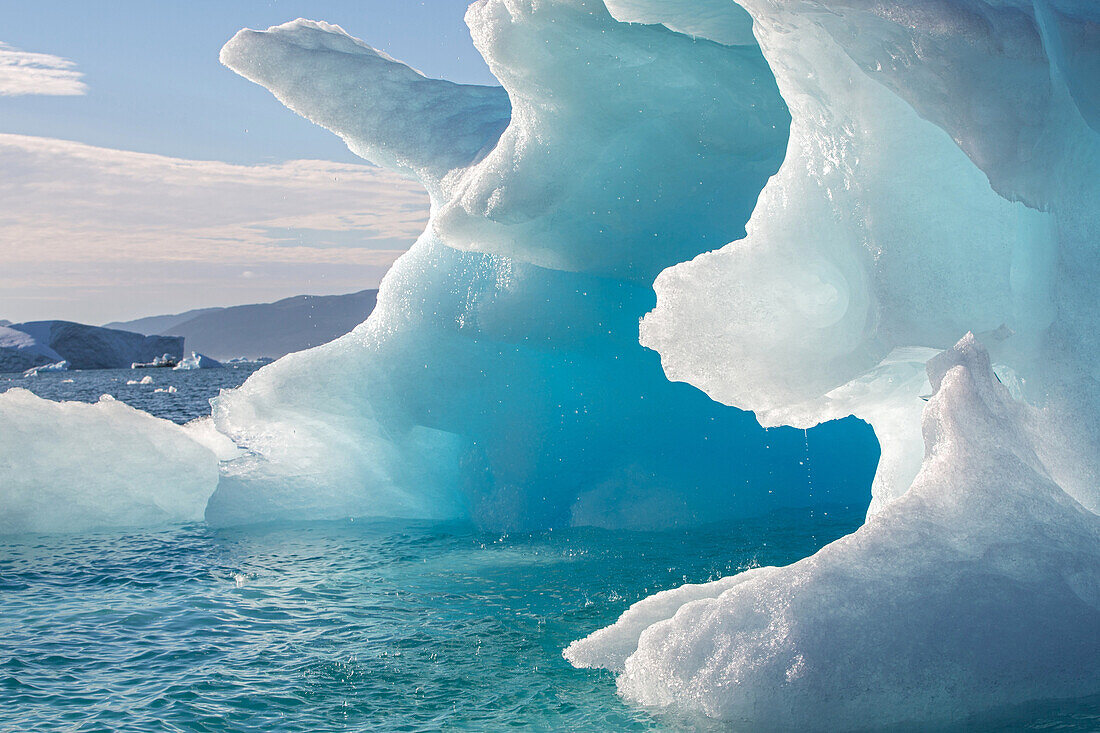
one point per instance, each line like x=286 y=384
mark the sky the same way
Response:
x=138 y=176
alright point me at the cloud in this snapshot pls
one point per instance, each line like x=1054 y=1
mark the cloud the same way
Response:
x=22 y=72
x=81 y=218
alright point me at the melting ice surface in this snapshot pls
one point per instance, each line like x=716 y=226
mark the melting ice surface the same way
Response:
x=894 y=177
x=975 y=590
x=941 y=177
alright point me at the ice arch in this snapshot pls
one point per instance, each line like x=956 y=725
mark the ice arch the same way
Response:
x=500 y=376
x=940 y=179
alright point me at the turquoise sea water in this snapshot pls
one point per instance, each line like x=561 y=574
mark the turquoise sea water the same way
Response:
x=364 y=626
x=357 y=626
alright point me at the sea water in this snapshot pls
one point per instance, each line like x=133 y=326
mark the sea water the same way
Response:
x=359 y=626
x=366 y=626
x=191 y=399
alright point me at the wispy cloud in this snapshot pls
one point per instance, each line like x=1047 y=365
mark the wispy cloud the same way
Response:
x=23 y=72
x=77 y=217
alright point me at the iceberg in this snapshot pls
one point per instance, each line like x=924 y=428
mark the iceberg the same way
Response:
x=892 y=176
x=671 y=213
x=203 y=432
x=500 y=376
x=24 y=346
x=197 y=361
x=940 y=178
x=916 y=203
x=21 y=352
x=60 y=366
x=72 y=466
x=164 y=361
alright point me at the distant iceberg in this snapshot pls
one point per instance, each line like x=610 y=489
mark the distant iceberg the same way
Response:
x=21 y=351
x=198 y=361
x=164 y=361
x=24 y=346
x=60 y=366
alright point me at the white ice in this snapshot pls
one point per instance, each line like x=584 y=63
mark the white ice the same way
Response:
x=978 y=589
x=197 y=361
x=60 y=366
x=937 y=175
x=71 y=466
x=500 y=376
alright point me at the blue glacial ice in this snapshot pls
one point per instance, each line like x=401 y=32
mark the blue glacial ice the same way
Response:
x=500 y=376
x=978 y=589
x=941 y=178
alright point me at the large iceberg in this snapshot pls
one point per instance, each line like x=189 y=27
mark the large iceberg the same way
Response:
x=39 y=343
x=500 y=376
x=894 y=174
x=978 y=589
x=941 y=178
x=914 y=171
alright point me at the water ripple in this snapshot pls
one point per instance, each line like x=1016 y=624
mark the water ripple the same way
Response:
x=366 y=627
